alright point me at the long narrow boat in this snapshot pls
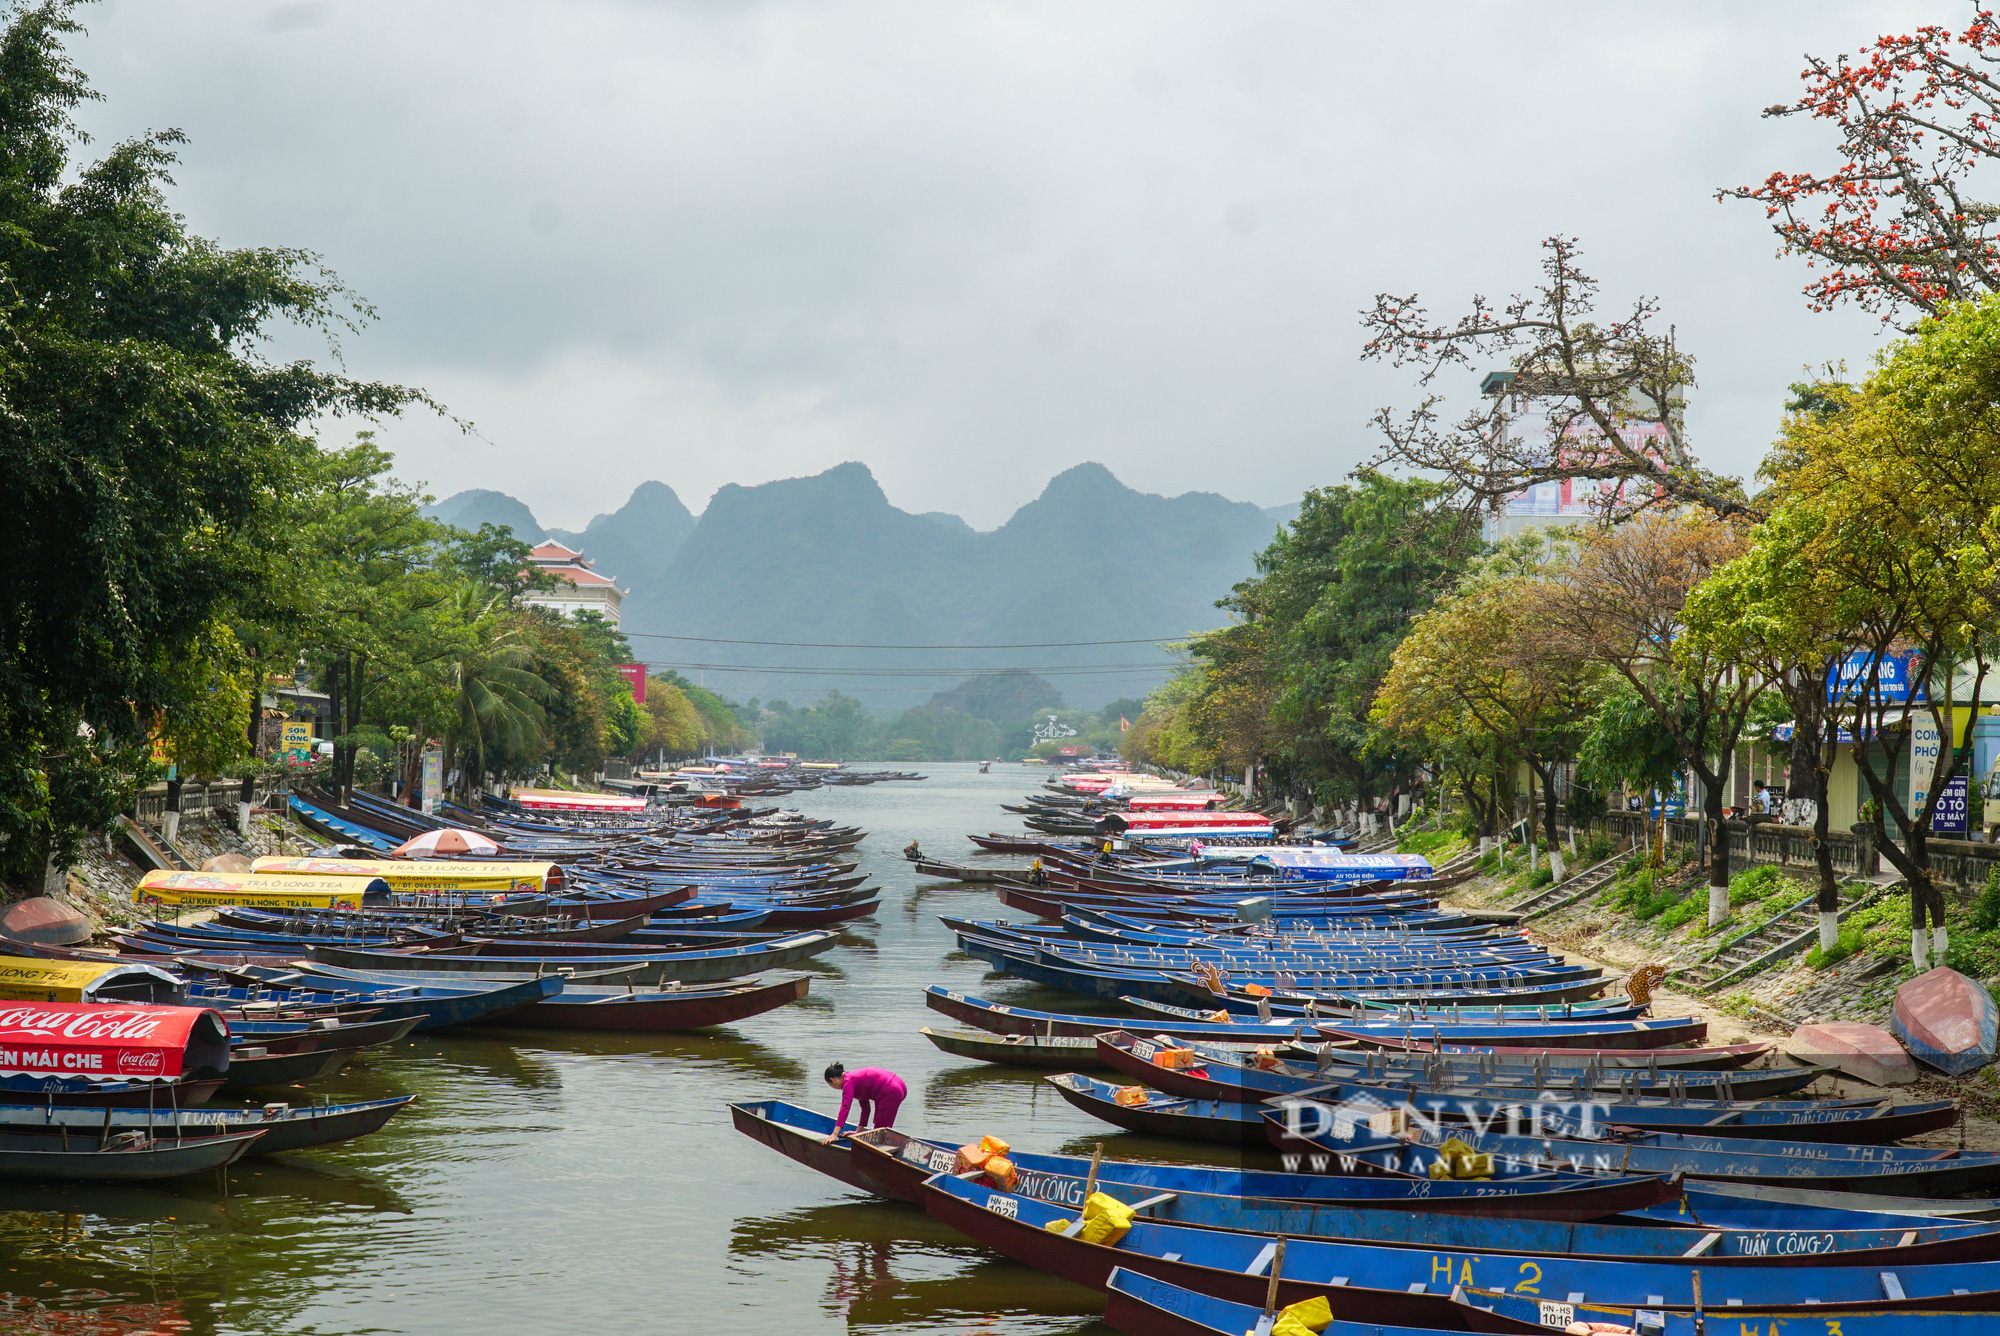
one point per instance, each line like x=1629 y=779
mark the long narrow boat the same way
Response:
x=797 y=1133
x=1063 y=1052
x=1004 y=1019
x=1143 y=1305
x=1412 y=1286
x=1415 y=1015
x=1915 y=1171
x=54 y=1155
x=1808 y=1239
x=892 y=1164
x=972 y=875
x=1230 y=1074
x=1173 y=1116
x=587 y=1008
x=283 y=1127
x=465 y=1001
x=1848 y=1122
x=665 y=967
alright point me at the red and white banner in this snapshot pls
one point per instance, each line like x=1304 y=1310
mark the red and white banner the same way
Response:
x=561 y=800
x=110 y=1041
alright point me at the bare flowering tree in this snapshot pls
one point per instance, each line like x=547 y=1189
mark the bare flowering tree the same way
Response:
x=1897 y=228
x=1597 y=403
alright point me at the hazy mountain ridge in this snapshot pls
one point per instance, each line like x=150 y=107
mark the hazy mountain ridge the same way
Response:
x=828 y=559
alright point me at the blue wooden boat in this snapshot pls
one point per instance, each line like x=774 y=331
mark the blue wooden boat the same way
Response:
x=1003 y=1019
x=284 y=1127
x=798 y=1133
x=1240 y=1075
x=1489 y=1310
x=1164 y=1115
x=1582 y=1034
x=1413 y=1286
x=1916 y=1171
x=700 y=966
x=895 y=1165
x=1143 y=1305
x=1947 y=1021
x=1862 y=1121
x=439 y=1006
x=1811 y=1239
x=1415 y=1014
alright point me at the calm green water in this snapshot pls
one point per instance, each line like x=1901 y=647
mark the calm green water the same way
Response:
x=551 y=1181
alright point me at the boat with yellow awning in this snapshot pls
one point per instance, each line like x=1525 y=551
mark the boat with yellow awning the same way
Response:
x=422 y=874
x=257 y=890
x=27 y=980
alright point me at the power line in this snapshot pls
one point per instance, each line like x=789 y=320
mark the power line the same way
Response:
x=815 y=644
x=1062 y=670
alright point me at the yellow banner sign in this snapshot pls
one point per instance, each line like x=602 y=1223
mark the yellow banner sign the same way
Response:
x=421 y=874
x=260 y=892
x=25 y=980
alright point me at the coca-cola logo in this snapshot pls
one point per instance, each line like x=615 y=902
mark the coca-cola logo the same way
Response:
x=142 y=1062
x=95 y=1023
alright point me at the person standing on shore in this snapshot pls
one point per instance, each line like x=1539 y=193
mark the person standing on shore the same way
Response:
x=878 y=1091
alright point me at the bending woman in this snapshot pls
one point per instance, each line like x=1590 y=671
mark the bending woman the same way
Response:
x=878 y=1092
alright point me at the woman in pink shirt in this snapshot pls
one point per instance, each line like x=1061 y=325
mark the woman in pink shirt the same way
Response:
x=878 y=1092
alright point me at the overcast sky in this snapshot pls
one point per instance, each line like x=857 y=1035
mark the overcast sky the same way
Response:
x=973 y=244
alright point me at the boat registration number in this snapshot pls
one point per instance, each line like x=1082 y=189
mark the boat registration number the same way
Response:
x=1008 y=1207
x=930 y=1157
x=1558 y=1316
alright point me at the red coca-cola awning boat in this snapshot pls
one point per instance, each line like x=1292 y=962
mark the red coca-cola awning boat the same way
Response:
x=111 y=1041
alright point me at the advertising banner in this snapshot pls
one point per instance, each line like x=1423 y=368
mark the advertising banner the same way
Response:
x=261 y=892
x=1953 y=809
x=111 y=1041
x=417 y=874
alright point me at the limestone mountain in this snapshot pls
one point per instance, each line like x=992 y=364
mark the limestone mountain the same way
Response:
x=828 y=561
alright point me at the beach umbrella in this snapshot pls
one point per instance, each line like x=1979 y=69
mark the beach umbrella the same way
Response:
x=434 y=842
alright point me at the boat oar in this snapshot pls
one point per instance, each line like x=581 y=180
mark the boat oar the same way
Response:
x=1270 y=1316
x=1089 y=1187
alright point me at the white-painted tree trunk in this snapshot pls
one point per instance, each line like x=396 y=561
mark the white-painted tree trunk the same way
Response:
x=1556 y=867
x=1940 y=945
x=1919 y=953
x=1718 y=905
x=170 y=822
x=243 y=820
x=1829 y=929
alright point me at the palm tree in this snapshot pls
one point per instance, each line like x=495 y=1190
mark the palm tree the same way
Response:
x=494 y=699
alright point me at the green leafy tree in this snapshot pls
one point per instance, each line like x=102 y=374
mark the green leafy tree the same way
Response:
x=142 y=433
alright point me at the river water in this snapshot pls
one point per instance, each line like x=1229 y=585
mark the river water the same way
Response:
x=555 y=1181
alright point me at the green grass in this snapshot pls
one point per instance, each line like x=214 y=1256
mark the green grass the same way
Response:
x=1761 y=883
x=1432 y=844
x=1850 y=941
x=1693 y=905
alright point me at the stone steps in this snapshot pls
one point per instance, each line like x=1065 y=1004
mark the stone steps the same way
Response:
x=1568 y=891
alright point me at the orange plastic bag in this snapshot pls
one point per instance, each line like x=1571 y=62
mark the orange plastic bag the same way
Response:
x=1173 y=1059
x=994 y=1146
x=1000 y=1172
x=1129 y=1096
x=1256 y=990
x=971 y=1157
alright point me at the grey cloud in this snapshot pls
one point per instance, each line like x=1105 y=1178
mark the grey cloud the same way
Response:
x=973 y=245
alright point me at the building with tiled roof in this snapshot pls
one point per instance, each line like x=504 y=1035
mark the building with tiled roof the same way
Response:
x=584 y=588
